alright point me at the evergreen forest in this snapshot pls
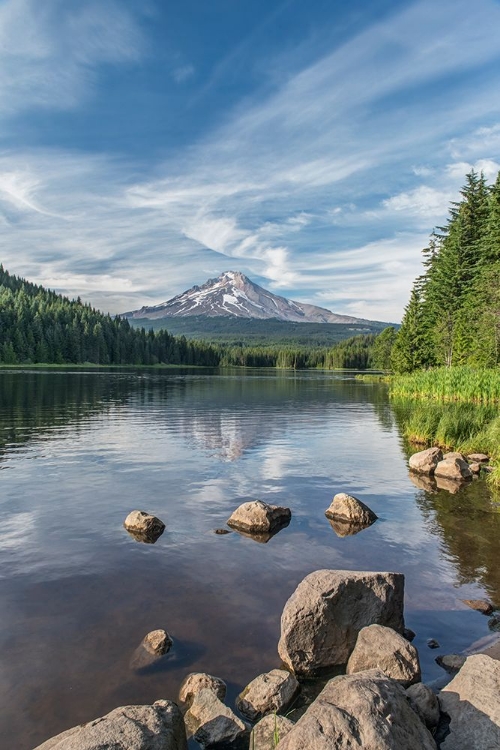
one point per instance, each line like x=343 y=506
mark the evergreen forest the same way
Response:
x=453 y=315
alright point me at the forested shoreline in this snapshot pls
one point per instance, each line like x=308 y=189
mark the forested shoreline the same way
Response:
x=38 y=326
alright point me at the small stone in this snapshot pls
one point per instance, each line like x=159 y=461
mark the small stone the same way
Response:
x=143 y=526
x=222 y=531
x=348 y=509
x=154 y=645
x=425 y=462
x=269 y=731
x=475 y=468
x=480 y=605
x=453 y=468
x=453 y=454
x=451 y=662
x=213 y=724
x=158 y=642
x=257 y=517
x=409 y=634
x=432 y=643
x=494 y=623
x=267 y=693
x=382 y=648
x=424 y=703
x=197 y=681
x=479 y=458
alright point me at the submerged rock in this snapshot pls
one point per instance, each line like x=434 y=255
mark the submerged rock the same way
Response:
x=364 y=710
x=472 y=703
x=257 y=517
x=155 y=644
x=351 y=511
x=451 y=662
x=197 y=681
x=453 y=468
x=425 y=462
x=143 y=526
x=267 y=693
x=382 y=648
x=321 y=620
x=269 y=731
x=213 y=724
x=156 y=727
x=480 y=605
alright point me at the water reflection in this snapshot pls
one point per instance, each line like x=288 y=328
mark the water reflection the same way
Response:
x=77 y=593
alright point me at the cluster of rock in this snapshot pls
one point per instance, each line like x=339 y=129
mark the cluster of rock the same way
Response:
x=336 y=620
x=431 y=469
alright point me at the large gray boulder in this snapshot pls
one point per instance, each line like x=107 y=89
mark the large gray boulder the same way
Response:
x=257 y=517
x=321 y=620
x=382 y=648
x=269 y=731
x=453 y=468
x=472 y=702
x=350 y=510
x=197 y=681
x=213 y=724
x=267 y=693
x=364 y=710
x=156 y=727
x=143 y=526
x=425 y=462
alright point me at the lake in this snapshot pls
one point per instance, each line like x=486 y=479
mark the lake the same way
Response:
x=80 y=450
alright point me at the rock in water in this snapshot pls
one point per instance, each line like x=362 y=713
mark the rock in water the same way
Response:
x=424 y=462
x=471 y=700
x=213 y=724
x=197 y=681
x=349 y=510
x=382 y=648
x=143 y=526
x=258 y=517
x=480 y=605
x=321 y=620
x=272 y=691
x=453 y=468
x=365 y=710
x=156 y=727
x=155 y=644
x=269 y=731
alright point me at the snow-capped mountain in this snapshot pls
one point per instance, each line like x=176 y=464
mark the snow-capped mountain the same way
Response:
x=233 y=294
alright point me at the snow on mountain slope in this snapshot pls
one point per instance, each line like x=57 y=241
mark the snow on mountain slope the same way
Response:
x=233 y=294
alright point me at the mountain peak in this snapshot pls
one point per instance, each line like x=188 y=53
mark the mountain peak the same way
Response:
x=233 y=294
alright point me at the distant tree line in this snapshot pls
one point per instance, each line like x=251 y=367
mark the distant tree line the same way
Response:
x=40 y=326
x=453 y=315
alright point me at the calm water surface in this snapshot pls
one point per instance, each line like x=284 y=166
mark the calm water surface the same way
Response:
x=79 y=451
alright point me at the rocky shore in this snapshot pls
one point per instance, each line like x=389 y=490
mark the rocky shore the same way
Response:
x=349 y=675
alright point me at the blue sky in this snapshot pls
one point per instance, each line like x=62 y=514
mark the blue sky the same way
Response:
x=147 y=146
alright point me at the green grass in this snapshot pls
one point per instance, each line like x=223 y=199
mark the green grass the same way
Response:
x=453 y=384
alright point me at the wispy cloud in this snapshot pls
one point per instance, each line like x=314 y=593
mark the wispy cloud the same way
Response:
x=325 y=188
x=49 y=51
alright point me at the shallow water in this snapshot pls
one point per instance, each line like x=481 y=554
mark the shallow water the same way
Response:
x=78 y=451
